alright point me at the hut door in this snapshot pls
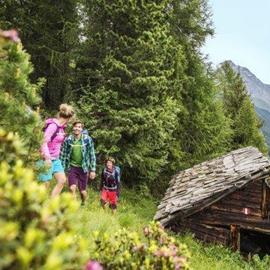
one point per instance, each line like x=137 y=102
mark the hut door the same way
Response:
x=265 y=198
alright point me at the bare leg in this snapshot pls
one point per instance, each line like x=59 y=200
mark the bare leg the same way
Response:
x=61 y=179
x=72 y=189
x=47 y=185
x=83 y=196
x=113 y=207
x=103 y=203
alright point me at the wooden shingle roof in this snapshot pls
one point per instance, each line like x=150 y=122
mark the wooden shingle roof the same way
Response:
x=194 y=189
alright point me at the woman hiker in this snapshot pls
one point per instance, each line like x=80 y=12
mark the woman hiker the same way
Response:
x=54 y=135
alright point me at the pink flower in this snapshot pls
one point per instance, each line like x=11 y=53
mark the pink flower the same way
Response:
x=11 y=35
x=146 y=231
x=93 y=265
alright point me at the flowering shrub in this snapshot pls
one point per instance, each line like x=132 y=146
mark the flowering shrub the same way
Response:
x=35 y=233
x=125 y=250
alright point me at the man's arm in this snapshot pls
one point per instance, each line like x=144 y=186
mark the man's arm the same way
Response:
x=92 y=159
x=63 y=154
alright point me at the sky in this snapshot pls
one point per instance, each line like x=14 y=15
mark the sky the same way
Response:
x=242 y=34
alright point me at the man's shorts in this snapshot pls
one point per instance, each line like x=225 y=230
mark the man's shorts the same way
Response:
x=109 y=196
x=76 y=176
x=47 y=175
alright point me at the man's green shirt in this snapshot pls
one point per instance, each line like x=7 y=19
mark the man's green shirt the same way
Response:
x=87 y=160
x=76 y=153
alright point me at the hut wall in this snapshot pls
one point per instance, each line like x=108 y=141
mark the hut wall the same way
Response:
x=206 y=233
x=244 y=202
x=243 y=208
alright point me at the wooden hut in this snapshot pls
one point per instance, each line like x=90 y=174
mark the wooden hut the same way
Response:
x=224 y=200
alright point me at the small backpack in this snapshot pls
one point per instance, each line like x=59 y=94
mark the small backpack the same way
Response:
x=116 y=177
x=85 y=132
x=118 y=170
x=47 y=123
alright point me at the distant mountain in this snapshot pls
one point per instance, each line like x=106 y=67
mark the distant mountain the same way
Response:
x=260 y=95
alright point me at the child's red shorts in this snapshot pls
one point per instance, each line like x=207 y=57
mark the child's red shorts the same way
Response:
x=109 y=196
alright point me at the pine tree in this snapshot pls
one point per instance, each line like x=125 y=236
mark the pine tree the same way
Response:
x=129 y=94
x=203 y=131
x=191 y=22
x=49 y=32
x=239 y=108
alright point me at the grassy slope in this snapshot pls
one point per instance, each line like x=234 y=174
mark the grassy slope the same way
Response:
x=134 y=212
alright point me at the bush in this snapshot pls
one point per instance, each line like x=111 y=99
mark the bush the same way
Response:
x=125 y=250
x=11 y=147
x=36 y=233
x=19 y=98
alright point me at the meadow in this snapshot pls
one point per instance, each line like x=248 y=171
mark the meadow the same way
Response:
x=136 y=211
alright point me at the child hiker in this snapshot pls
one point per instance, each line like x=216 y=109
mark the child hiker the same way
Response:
x=109 y=186
x=54 y=135
x=78 y=159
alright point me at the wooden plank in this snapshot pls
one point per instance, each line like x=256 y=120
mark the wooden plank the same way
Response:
x=234 y=204
x=216 y=217
x=205 y=232
x=253 y=187
x=212 y=230
x=223 y=216
x=237 y=210
x=231 y=203
x=235 y=237
x=211 y=239
x=210 y=233
x=254 y=198
x=265 y=200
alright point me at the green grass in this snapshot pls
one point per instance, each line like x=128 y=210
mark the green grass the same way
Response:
x=135 y=211
x=214 y=257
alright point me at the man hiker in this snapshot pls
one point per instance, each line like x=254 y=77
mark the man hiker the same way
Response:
x=109 y=186
x=79 y=160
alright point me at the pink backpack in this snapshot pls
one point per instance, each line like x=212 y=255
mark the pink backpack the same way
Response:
x=47 y=123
